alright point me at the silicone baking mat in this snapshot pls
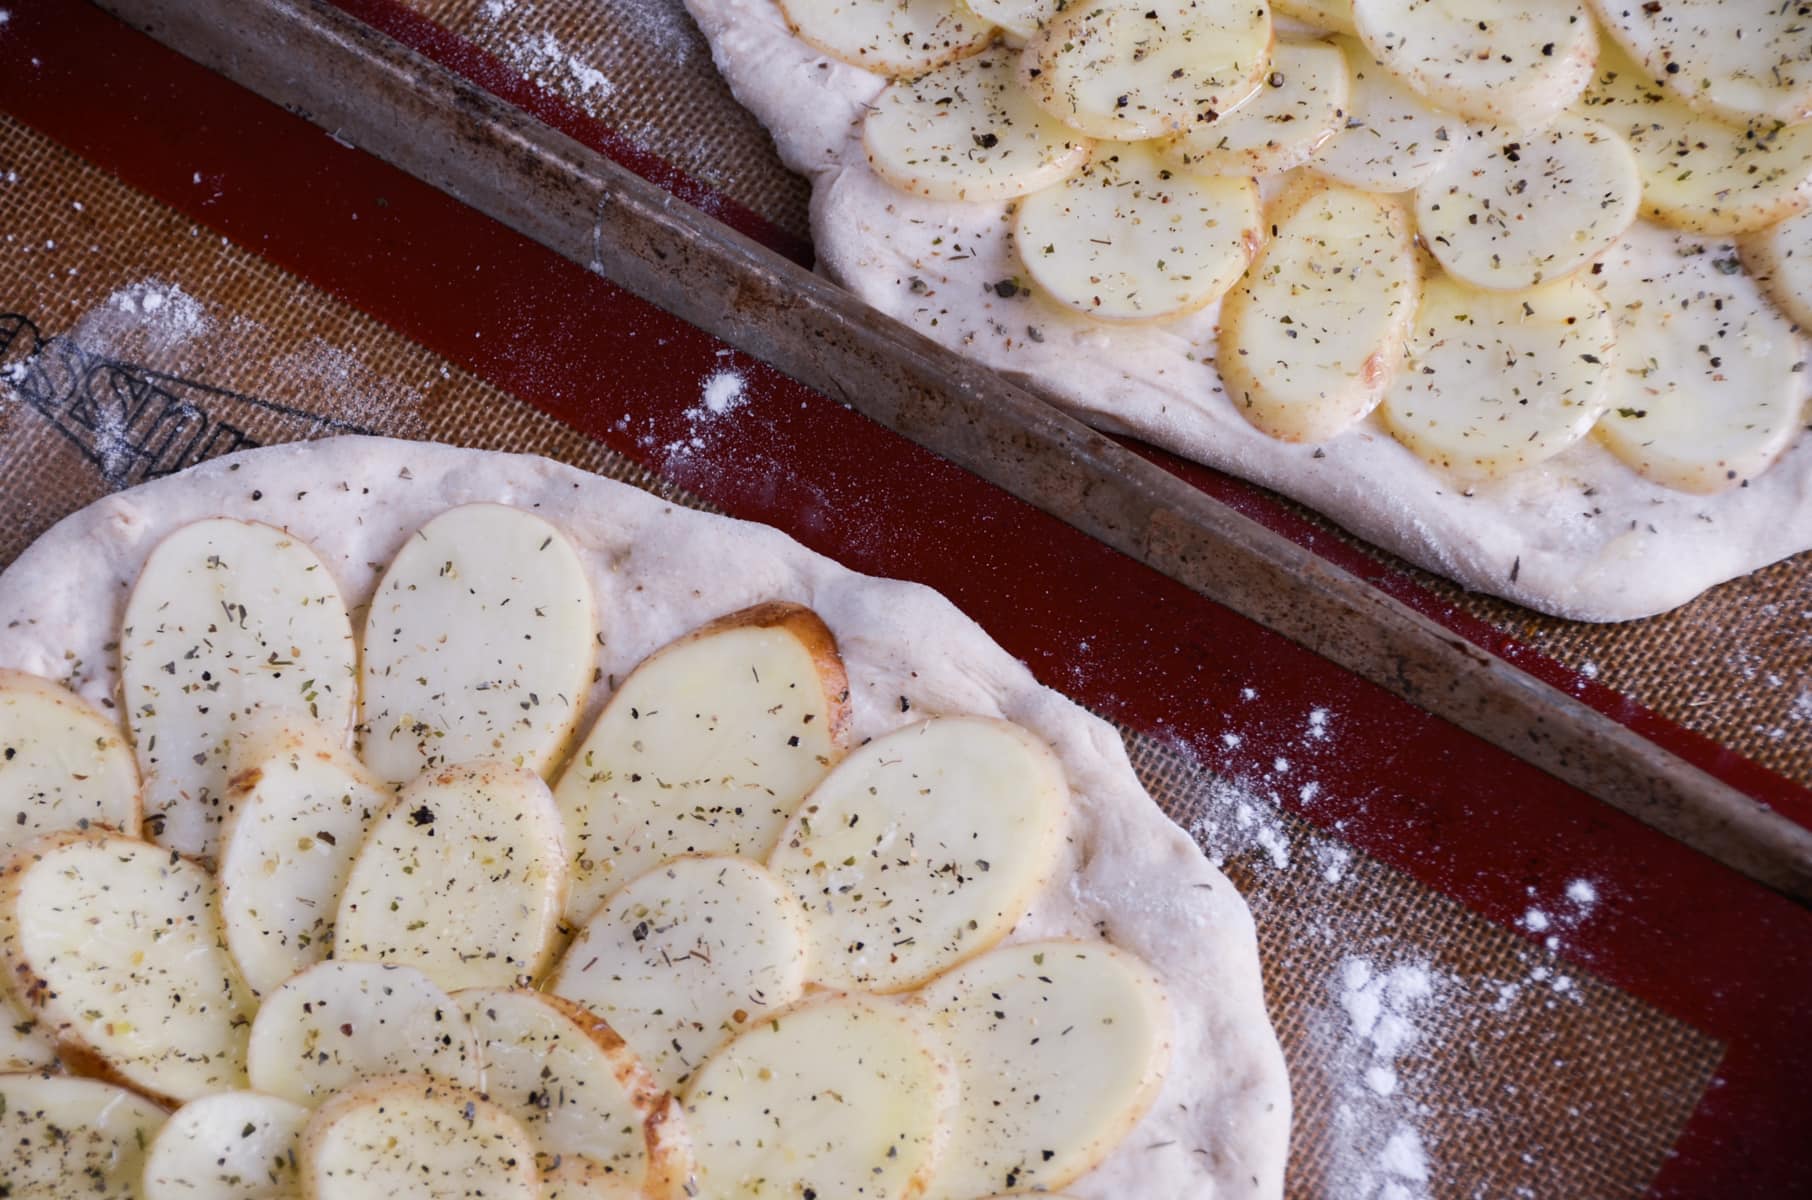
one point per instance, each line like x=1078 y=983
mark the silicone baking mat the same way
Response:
x=1487 y=984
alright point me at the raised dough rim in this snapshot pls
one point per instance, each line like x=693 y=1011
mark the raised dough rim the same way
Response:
x=1533 y=539
x=659 y=570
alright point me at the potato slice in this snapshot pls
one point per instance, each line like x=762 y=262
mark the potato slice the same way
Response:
x=1708 y=389
x=388 y=1139
x=1394 y=140
x=686 y=957
x=842 y=1097
x=1059 y=1048
x=1499 y=381
x=1740 y=62
x=1310 y=337
x=1515 y=63
x=480 y=643
x=1329 y=16
x=298 y=815
x=708 y=747
x=968 y=132
x=923 y=848
x=1780 y=258
x=896 y=38
x=1131 y=69
x=1301 y=104
x=25 y=1045
x=338 y=1023
x=231 y=625
x=1700 y=172
x=1127 y=239
x=1511 y=211
x=463 y=877
x=60 y=1136
x=228 y=1146
x=1020 y=19
x=64 y=764
x=116 y=946
x=590 y=1107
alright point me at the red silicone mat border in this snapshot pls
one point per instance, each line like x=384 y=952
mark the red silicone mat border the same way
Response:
x=1459 y=815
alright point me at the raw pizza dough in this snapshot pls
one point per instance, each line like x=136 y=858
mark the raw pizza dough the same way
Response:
x=1580 y=536
x=1219 y=1128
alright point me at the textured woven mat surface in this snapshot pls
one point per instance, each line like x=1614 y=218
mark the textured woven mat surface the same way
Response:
x=1735 y=665
x=135 y=343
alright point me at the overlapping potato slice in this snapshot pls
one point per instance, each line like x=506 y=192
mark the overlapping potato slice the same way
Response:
x=338 y=1023
x=1020 y=19
x=587 y=1103
x=924 y=848
x=1700 y=172
x=1311 y=336
x=228 y=1146
x=1516 y=63
x=968 y=132
x=1510 y=211
x=480 y=643
x=1128 y=239
x=387 y=1139
x=1300 y=105
x=1394 y=140
x=25 y=1045
x=1709 y=388
x=707 y=748
x=1329 y=16
x=61 y=1136
x=685 y=957
x=896 y=38
x=1780 y=258
x=1497 y=381
x=842 y=1097
x=1131 y=69
x=230 y=625
x=463 y=877
x=115 y=945
x=1740 y=61
x=63 y=764
x=300 y=810
x=1059 y=1047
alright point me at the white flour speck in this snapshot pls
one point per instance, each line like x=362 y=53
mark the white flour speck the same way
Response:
x=1403 y=1156
x=723 y=391
x=1333 y=861
x=1318 y=724
x=541 y=56
x=1248 y=694
x=1582 y=893
x=160 y=311
x=1308 y=792
x=1379 y=1150
x=5 y=16
x=1589 y=669
x=1535 y=919
x=1231 y=740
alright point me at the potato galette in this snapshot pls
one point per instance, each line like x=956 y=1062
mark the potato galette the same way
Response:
x=1512 y=287
x=452 y=906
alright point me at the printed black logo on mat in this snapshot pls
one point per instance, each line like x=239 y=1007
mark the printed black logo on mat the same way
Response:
x=134 y=423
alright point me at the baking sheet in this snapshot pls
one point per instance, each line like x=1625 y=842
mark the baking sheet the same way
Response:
x=1419 y=1031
